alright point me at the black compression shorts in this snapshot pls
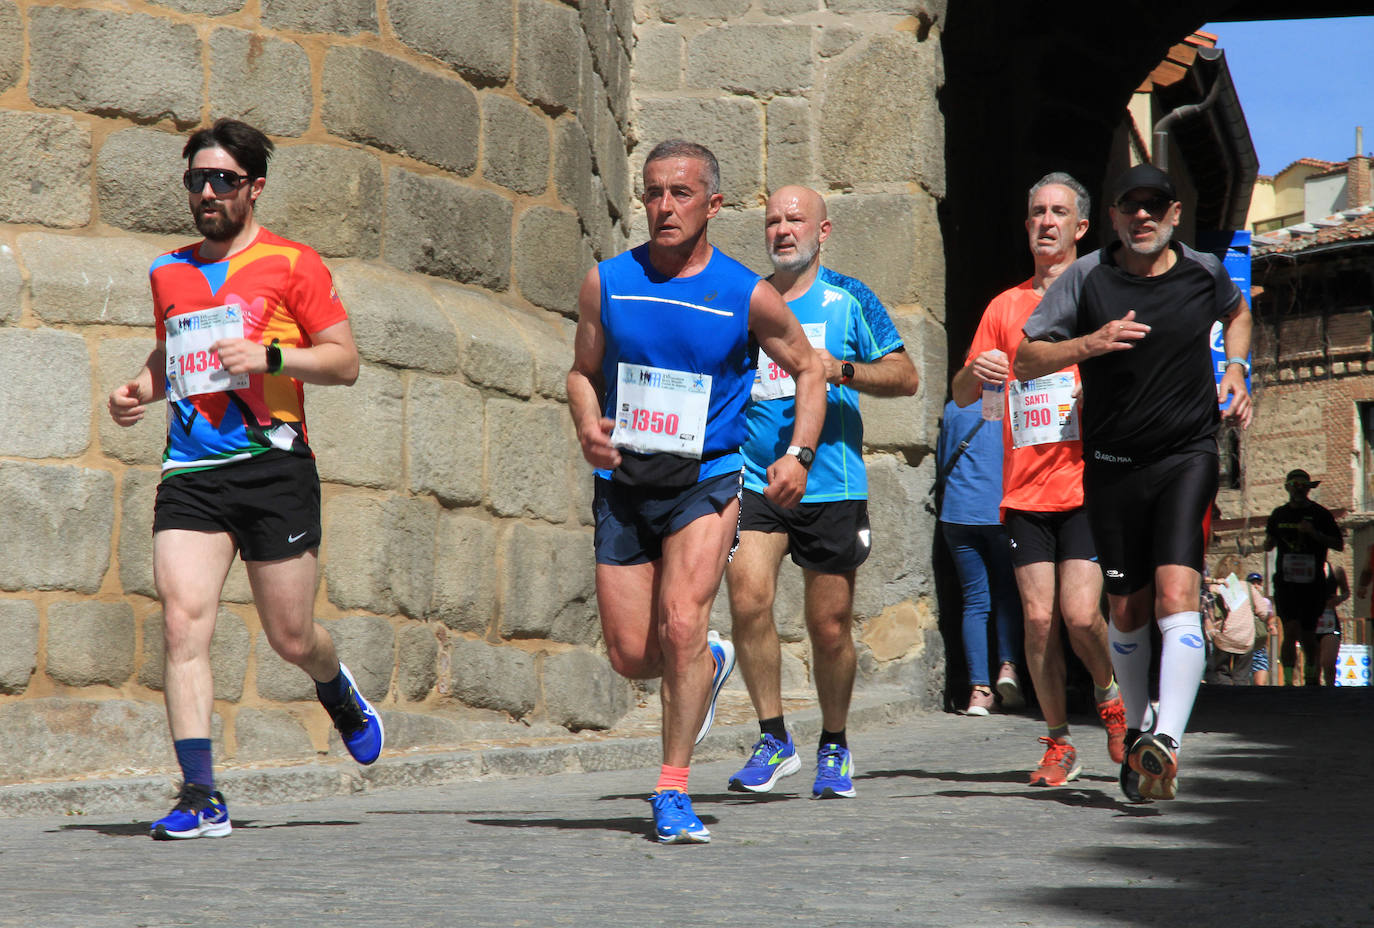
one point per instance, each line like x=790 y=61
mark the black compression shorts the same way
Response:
x=1146 y=515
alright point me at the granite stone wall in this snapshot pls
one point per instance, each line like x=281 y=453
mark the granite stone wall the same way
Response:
x=460 y=164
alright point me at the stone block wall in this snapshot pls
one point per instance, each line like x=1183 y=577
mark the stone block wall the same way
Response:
x=460 y=164
x=838 y=95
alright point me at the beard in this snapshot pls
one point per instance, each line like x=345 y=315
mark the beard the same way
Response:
x=799 y=260
x=1164 y=234
x=220 y=227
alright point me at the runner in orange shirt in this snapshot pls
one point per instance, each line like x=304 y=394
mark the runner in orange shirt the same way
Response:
x=1042 y=483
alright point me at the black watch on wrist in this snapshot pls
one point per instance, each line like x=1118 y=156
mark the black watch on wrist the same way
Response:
x=804 y=456
x=274 y=361
x=846 y=372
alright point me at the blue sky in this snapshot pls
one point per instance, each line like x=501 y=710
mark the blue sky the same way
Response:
x=1305 y=84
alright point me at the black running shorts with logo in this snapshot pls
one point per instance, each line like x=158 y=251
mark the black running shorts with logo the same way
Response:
x=270 y=504
x=632 y=521
x=1146 y=515
x=829 y=538
x=1049 y=537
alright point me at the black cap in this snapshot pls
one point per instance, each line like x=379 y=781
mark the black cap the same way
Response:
x=1254 y=578
x=1143 y=176
x=1300 y=477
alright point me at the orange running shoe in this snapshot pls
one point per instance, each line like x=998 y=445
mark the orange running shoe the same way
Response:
x=1058 y=766
x=1155 y=758
x=1113 y=713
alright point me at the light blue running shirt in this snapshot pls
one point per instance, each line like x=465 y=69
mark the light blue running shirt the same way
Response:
x=842 y=315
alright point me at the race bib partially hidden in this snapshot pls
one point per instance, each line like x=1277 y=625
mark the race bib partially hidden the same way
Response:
x=1043 y=410
x=193 y=365
x=771 y=382
x=661 y=410
x=1299 y=568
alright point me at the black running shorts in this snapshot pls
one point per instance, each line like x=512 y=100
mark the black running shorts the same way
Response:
x=1050 y=537
x=270 y=504
x=829 y=538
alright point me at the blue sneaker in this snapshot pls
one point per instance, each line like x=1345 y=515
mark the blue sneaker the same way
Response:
x=771 y=761
x=199 y=813
x=358 y=723
x=674 y=820
x=724 y=654
x=834 y=768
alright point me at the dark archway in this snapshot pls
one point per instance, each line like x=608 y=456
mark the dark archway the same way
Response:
x=1030 y=89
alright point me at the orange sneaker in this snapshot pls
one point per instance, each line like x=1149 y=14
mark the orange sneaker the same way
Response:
x=1058 y=766
x=1113 y=713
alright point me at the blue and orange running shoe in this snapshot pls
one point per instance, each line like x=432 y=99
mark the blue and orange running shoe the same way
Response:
x=770 y=761
x=674 y=820
x=199 y=813
x=834 y=773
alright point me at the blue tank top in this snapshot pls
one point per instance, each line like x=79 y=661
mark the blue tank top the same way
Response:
x=697 y=325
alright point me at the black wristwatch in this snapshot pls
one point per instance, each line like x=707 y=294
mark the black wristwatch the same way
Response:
x=274 y=361
x=804 y=456
x=846 y=372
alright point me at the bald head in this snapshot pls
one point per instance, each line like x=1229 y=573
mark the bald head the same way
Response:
x=795 y=225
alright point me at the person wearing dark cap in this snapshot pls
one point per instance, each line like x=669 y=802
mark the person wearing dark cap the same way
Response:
x=1266 y=630
x=1302 y=531
x=1136 y=316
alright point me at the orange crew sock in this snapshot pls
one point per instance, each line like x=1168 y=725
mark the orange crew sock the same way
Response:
x=672 y=778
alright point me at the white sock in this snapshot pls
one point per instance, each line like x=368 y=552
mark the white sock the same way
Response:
x=1181 y=662
x=1131 y=663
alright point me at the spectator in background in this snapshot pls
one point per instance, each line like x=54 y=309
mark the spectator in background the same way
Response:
x=1266 y=628
x=969 y=455
x=1329 y=623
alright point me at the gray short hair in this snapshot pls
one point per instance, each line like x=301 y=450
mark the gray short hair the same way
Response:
x=681 y=148
x=1082 y=201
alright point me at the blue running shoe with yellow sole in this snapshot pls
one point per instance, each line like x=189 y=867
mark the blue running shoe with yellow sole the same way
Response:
x=199 y=813
x=723 y=653
x=770 y=761
x=834 y=773
x=674 y=820
x=358 y=723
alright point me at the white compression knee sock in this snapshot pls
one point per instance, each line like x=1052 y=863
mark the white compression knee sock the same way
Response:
x=1131 y=663
x=1181 y=662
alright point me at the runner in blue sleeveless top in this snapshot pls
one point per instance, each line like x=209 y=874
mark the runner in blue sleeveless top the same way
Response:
x=827 y=535
x=661 y=372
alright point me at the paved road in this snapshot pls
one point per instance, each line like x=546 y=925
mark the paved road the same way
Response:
x=1274 y=826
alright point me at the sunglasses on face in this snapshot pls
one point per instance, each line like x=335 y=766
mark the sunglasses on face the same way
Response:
x=1155 y=206
x=220 y=180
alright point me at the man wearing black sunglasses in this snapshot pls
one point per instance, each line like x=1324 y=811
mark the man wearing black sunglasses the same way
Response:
x=1136 y=317
x=243 y=319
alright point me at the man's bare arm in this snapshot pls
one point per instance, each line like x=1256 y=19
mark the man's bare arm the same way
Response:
x=584 y=379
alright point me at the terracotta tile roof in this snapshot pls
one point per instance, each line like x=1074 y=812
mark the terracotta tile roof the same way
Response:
x=1351 y=225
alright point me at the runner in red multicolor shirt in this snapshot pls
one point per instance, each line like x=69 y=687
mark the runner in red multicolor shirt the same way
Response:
x=244 y=318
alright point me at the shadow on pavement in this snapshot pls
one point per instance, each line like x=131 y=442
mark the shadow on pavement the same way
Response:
x=140 y=829
x=1275 y=818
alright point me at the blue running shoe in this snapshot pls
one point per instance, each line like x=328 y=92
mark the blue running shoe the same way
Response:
x=771 y=761
x=358 y=723
x=199 y=813
x=674 y=820
x=834 y=769
x=724 y=654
